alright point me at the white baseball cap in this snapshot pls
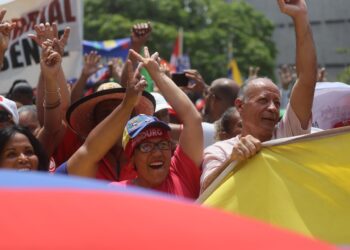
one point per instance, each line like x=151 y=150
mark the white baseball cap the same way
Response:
x=10 y=107
x=161 y=103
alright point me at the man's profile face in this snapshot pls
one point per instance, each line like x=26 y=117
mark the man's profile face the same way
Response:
x=216 y=104
x=260 y=109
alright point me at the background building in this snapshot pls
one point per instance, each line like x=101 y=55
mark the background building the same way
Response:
x=330 y=23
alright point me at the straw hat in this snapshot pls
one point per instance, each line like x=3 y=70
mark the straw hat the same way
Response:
x=80 y=114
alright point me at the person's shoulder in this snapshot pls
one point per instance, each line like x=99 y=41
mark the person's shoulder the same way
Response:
x=208 y=133
x=221 y=145
x=208 y=126
x=180 y=156
x=290 y=125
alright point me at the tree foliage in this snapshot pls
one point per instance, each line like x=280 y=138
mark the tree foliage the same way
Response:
x=344 y=76
x=209 y=26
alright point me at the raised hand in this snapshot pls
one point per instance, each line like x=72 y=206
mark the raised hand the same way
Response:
x=140 y=33
x=91 y=63
x=253 y=72
x=5 y=31
x=115 y=67
x=50 y=60
x=247 y=147
x=197 y=82
x=151 y=63
x=47 y=31
x=293 y=8
x=321 y=74
x=136 y=83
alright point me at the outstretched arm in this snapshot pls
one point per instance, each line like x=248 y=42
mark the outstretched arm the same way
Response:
x=50 y=65
x=91 y=66
x=5 y=31
x=139 y=36
x=191 y=139
x=306 y=62
x=44 y=32
x=84 y=162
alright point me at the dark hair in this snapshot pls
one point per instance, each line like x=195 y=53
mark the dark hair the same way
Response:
x=225 y=120
x=227 y=88
x=21 y=92
x=26 y=88
x=7 y=133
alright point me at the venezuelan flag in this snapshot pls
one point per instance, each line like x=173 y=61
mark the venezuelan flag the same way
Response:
x=108 y=48
x=301 y=184
x=234 y=72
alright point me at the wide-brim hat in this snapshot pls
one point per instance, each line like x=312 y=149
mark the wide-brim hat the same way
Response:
x=80 y=115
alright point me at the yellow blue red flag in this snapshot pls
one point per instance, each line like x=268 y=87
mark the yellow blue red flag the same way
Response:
x=234 y=72
x=301 y=184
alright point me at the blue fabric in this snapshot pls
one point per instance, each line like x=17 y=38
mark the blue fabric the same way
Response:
x=62 y=169
x=111 y=48
x=10 y=179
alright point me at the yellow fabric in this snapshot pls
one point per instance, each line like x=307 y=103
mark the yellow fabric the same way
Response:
x=236 y=74
x=303 y=186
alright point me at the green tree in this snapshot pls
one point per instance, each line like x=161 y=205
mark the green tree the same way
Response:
x=209 y=26
x=344 y=76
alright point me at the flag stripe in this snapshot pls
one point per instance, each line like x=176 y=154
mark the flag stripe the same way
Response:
x=302 y=185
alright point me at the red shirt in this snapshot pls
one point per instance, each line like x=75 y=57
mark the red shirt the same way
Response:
x=182 y=180
x=106 y=171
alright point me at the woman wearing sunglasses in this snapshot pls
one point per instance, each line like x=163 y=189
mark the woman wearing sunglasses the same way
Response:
x=146 y=140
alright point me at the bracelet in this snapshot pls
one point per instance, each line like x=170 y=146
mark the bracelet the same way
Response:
x=52 y=106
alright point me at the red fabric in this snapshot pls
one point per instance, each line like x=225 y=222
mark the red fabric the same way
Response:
x=173 y=116
x=64 y=218
x=200 y=104
x=342 y=124
x=106 y=171
x=89 y=92
x=69 y=144
x=183 y=178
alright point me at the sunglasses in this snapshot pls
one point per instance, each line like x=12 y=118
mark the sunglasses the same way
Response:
x=5 y=116
x=147 y=147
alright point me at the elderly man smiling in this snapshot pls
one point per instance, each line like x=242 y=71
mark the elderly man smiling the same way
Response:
x=259 y=103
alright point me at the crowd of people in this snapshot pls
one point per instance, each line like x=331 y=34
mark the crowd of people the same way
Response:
x=165 y=140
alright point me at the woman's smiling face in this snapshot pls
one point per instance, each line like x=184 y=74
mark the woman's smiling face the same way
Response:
x=19 y=154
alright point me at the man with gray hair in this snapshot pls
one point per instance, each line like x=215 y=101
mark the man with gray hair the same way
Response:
x=259 y=103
